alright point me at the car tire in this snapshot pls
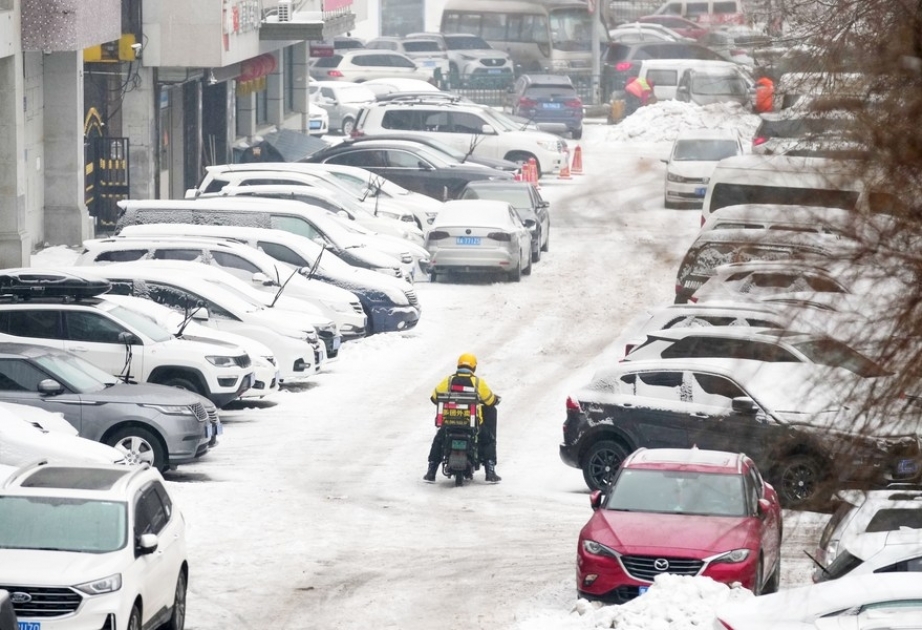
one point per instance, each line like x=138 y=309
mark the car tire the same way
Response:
x=433 y=276
x=602 y=461
x=347 y=126
x=181 y=382
x=536 y=255
x=802 y=481
x=577 y=134
x=547 y=242
x=516 y=274
x=134 y=619
x=139 y=445
x=527 y=270
x=178 y=613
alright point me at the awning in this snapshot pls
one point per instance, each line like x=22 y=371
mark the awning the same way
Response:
x=284 y=145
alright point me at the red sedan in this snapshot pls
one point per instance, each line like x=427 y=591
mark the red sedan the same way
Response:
x=680 y=511
x=685 y=28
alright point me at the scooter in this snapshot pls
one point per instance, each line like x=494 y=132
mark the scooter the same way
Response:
x=457 y=414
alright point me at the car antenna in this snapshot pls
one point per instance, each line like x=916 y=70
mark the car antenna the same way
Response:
x=817 y=563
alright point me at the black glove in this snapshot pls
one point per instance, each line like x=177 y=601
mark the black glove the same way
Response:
x=497 y=399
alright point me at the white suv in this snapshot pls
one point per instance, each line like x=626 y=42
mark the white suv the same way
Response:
x=92 y=546
x=466 y=127
x=121 y=342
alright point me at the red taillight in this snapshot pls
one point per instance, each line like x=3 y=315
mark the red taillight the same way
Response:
x=573 y=102
x=692 y=299
x=527 y=102
x=437 y=235
x=759 y=140
x=725 y=624
x=737 y=52
x=356 y=133
x=573 y=405
x=334 y=73
x=500 y=236
x=678 y=288
x=623 y=66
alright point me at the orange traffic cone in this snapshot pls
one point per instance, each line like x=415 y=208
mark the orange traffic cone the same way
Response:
x=564 y=170
x=577 y=168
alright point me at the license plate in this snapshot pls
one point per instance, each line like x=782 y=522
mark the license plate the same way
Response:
x=907 y=467
x=551 y=105
x=336 y=342
x=494 y=70
x=458 y=445
x=29 y=625
x=700 y=192
x=642 y=589
x=315 y=124
x=208 y=430
x=467 y=240
x=429 y=64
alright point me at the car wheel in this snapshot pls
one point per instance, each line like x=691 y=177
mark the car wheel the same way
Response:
x=801 y=482
x=178 y=614
x=577 y=133
x=516 y=274
x=139 y=446
x=347 y=126
x=547 y=242
x=180 y=382
x=527 y=270
x=602 y=462
x=536 y=255
x=134 y=619
x=433 y=276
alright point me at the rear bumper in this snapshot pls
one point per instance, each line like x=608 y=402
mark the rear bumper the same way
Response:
x=569 y=456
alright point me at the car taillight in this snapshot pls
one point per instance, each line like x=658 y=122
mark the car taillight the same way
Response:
x=724 y=624
x=623 y=66
x=334 y=73
x=573 y=405
x=527 y=102
x=436 y=235
x=573 y=102
x=692 y=299
x=678 y=288
x=703 y=220
x=737 y=52
x=500 y=236
x=759 y=140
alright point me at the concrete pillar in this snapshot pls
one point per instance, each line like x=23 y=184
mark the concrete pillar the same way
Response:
x=300 y=59
x=139 y=125
x=246 y=115
x=66 y=218
x=15 y=242
x=275 y=92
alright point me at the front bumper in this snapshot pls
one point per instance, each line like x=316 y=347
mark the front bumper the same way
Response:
x=393 y=318
x=691 y=195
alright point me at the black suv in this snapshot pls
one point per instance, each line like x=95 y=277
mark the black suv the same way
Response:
x=622 y=61
x=788 y=417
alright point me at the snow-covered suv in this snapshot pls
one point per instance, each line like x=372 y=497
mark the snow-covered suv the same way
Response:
x=92 y=546
x=123 y=343
x=467 y=127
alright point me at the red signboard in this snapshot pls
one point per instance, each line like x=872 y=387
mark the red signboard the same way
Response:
x=335 y=5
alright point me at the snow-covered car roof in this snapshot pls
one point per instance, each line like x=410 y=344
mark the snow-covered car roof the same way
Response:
x=479 y=213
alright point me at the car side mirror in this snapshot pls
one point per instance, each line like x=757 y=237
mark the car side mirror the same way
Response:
x=664 y=160
x=128 y=339
x=764 y=507
x=49 y=387
x=745 y=405
x=147 y=544
x=488 y=130
x=200 y=314
x=544 y=204
x=595 y=499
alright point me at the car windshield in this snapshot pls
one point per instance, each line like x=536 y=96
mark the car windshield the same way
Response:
x=253 y=302
x=678 y=492
x=502 y=121
x=834 y=353
x=466 y=43
x=715 y=85
x=516 y=197
x=62 y=524
x=421 y=45
x=82 y=376
x=141 y=322
x=704 y=150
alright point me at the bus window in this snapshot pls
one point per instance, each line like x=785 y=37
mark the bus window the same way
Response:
x=451 y=22
x=469 y=23
x=527 y=28
x=493 y=26
x=571 y=29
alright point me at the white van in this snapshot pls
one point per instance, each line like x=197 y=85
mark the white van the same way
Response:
x=664 y=74
x=786 y=180
x=710 y=12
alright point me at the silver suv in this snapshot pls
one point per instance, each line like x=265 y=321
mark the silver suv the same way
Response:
x=159 y=425
x=92 y=547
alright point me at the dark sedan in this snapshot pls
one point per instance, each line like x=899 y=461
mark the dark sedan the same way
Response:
x=451 y=153
x=527 y=201
x=415 y=167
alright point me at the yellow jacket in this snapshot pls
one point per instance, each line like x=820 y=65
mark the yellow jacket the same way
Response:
x=464 y=381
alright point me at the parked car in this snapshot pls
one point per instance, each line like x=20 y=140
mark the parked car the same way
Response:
x=877 y=552
x=389 y=303
x=870 y=229
x=622 y=61
x=479 y=237
x=799 y=128
x=342 y=101
x=694 y=154
x=685 y=28
x=533 y=210
x=634 y=32
x=344 y=42
x=663 y=75
x=688 y=512
x=410 y=165
x=318 y=121
x=23 y=443
x=894 y=508
x=707 y=86
x=93 y=546
x=159 y=425
x=790 y=418
x=548 y=99
x=738 y=43
x=427 y=53
x=397 y=86
x=362 y=64
x=834 y=604
x=472 y=61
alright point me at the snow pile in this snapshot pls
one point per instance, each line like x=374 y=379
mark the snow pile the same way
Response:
x=663 y=121
x=674 y=602
x=55 y=257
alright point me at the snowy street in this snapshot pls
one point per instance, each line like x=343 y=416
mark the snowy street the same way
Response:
x=312 y=511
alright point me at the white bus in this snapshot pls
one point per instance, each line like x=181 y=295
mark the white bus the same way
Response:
x=547 y=36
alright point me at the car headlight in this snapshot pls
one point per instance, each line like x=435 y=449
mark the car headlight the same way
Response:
x=732 y=557
x=222 y=361
x=171 y=410
x=105 y=585
x=598 y=549
x=549 y=145
x=672 y=177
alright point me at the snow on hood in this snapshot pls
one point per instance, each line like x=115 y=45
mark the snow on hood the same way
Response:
x=30 y=566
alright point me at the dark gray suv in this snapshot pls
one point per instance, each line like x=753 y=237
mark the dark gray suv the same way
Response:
x=162 y=426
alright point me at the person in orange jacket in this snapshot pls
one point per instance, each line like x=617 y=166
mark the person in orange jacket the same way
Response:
x=637 y=93
x=765 y=95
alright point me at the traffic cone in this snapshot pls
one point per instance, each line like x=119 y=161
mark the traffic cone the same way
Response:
x=577 y=167
x=564 y=170
x=533 y=172
x=518 y=176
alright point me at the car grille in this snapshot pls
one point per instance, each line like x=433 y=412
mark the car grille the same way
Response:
x=200 y=412
x=243 y=360
x=647 y=567
x=411 y=297
x=44 y=601
x=493 y=62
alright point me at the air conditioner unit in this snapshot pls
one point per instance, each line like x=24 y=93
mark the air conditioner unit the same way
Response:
x=284 y=10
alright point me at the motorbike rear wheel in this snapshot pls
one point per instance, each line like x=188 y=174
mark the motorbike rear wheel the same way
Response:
x=459 y=479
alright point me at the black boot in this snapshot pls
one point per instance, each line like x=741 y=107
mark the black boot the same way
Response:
x=430 y=474
x=490 y=469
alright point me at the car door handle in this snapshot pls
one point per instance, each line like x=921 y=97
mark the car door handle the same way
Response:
x=78 y=349
x=699 y=414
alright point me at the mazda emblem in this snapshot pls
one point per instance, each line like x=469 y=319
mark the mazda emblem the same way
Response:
x=661 y=564
x=19 y=597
